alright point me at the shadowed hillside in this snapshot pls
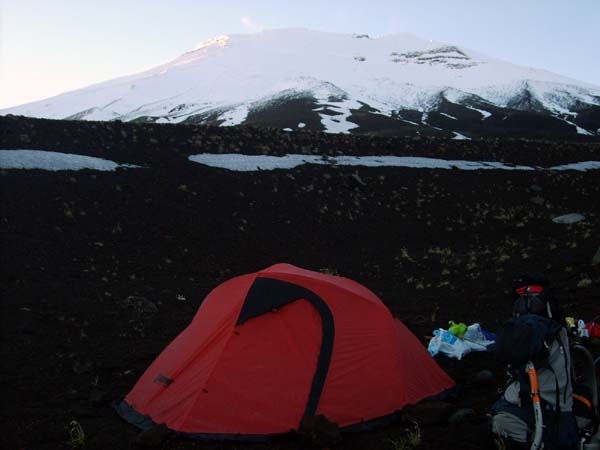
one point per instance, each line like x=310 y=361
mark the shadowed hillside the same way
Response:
x=101 y=270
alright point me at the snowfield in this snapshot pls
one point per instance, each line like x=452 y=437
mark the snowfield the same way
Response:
x=229 y=76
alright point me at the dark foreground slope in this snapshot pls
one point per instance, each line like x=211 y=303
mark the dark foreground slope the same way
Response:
x=100 y=270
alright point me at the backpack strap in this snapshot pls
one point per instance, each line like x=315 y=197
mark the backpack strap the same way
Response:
x=567 y=371
x=548 y=309
x=557 y=393
x=555 y=428
x=525 y=390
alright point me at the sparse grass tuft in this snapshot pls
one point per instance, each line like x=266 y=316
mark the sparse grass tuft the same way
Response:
x=408 y=441
x=329 y=271
x=76 y=435
x=414 y=436
x=499 y=444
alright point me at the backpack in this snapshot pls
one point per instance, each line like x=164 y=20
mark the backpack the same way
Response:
x=524 y=338
x=544 y=342
x=534 y=296
x=566 y=380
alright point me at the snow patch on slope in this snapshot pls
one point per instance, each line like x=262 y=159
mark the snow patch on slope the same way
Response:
x=249 y=163
x=460 y=137
x=577 y=127
x=484 y=113
x=339 y=123
x=54 y=161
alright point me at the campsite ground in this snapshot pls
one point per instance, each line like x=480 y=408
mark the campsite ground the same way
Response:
x=100 y=270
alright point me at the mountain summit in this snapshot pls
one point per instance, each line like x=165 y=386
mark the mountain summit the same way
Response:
x=297 y=78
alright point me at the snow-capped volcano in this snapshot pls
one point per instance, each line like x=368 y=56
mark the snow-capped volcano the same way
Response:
x=295 y=78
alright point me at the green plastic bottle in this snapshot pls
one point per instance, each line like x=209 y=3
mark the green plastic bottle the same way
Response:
x=457 y=329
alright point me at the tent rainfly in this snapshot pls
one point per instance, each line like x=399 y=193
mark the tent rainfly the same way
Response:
x=267 y=349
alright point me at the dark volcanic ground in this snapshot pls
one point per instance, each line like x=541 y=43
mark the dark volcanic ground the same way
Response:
x=100 y=270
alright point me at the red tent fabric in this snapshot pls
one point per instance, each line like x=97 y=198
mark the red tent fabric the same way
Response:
x=269 y=348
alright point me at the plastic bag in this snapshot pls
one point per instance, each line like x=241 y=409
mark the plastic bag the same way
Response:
x=476 y=339
x=445 y=342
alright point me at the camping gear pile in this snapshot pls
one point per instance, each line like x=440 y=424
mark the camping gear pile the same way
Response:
x=459 y=340
x=283 y=348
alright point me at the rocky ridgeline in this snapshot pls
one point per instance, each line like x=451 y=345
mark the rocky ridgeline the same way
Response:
x=142 y=143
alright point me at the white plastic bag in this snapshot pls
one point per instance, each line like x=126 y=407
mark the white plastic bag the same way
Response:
x=445 y=342
x=474 y=333
x=475 y=339
x=448 y=344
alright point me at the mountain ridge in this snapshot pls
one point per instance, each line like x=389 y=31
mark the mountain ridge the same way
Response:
x=225 y=79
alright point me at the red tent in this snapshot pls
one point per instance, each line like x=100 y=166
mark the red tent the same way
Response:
x=269 y=348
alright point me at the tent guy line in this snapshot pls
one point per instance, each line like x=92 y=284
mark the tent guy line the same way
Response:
x=54 y=161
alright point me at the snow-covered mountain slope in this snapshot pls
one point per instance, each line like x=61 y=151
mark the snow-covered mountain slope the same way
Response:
x=332 y=82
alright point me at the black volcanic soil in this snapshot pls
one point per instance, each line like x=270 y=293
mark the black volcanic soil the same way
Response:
x=100 y=270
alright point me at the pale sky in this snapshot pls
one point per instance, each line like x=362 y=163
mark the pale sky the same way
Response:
x=48 y=47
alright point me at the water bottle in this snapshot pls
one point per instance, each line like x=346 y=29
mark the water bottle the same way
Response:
x=582 y=330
